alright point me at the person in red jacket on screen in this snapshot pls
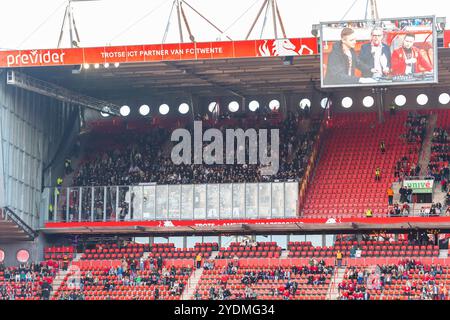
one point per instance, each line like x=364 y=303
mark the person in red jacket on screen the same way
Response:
x=408 y=60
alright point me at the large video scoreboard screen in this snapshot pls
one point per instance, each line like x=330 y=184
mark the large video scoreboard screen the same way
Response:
x=378 y=53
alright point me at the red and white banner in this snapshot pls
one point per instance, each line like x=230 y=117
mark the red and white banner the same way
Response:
x=447 y=39
x=221 y=223
x=159 y=52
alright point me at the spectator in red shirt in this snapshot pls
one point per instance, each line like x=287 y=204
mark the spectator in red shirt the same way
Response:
x=281 y=289
x=407 y=291
x=224 y=279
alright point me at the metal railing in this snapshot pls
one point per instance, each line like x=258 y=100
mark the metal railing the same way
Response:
x=9 y=214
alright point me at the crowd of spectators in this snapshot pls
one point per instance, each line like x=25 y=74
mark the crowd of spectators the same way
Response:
x=353 y=287
x=359 y=282
x=416 y=125
x=130 y=273
x=28 y=280
x=316 y=273
x=440 y=157
x=139 y=157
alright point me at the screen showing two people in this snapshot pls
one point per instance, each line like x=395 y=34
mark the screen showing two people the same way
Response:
x=386 y=52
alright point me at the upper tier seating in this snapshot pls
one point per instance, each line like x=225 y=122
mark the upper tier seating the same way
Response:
x=344 y=182
x=136 y=157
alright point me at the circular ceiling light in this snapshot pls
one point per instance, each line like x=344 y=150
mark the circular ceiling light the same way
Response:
x=368 y=101
x=253 y=106
x=324 y=103
x=400 y=100
x=422 y=99
x=144 y=110
x=305 y=103
x=274 y=105
x=183 y=108
x=212 y=106
x=347 y=102
x=125 y=110
x=164 y=109
x=444 y=98
x=233 y=106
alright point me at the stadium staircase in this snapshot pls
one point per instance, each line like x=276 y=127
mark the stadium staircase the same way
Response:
x=443 y=254
x=344 y=184
x=333 y=290
x=61 y=276
x=425 y=155
x=12 y=228
x=194 y=279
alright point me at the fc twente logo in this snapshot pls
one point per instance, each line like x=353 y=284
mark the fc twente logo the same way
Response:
x=282 y=48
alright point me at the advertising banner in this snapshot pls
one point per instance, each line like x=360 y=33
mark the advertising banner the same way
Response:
x=420 y=186
x=159 y=52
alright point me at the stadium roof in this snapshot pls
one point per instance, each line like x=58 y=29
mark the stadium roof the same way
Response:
x=244 y=77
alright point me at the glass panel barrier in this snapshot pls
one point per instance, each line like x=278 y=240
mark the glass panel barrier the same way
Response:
x=277 y=200
x=110 y=204
x=212 y=201
x=74 y=204
x=149 y=203
x=99 y=202
x=174 y=202
x=162 y=203
x=251 y=200
x=226 y=201
x=124 y=203
x=187 y=202
x=61 y=206
x=199 y=201
x=291 y=194
x=136 y=203
x=86 y=196
x=264 y=197
x=238 y=201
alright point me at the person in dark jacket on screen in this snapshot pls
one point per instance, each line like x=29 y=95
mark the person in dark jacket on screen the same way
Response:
x=343 y=61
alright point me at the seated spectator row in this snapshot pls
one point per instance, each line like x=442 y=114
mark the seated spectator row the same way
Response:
x=407 y=279
x=235 y=280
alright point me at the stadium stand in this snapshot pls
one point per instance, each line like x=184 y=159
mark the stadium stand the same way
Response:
x=407 y=279
x=136 y=251
x=123 y=281
x=344 y=184
x=63 y=255
x=27 y=281
x=131 y=158
x=264 y=279
x=385 y=270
